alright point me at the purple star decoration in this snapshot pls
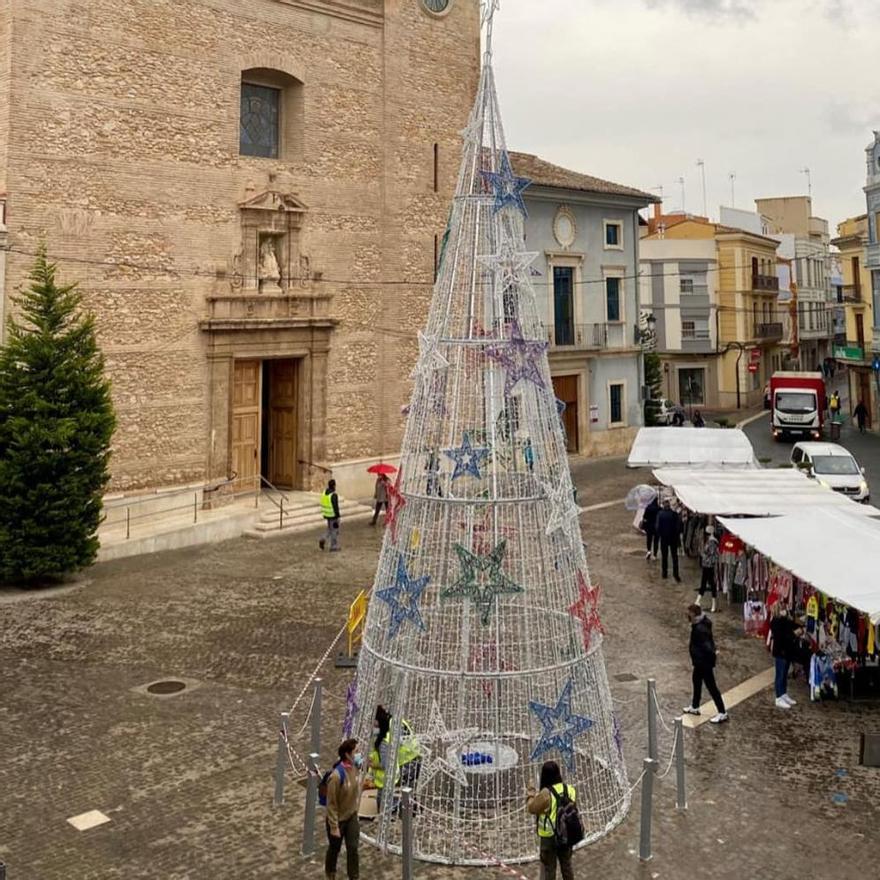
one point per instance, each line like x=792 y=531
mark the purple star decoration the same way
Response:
x=561 y=726
x=618 y=735
x=521 y=359
x=351 y=709
x=507 y=186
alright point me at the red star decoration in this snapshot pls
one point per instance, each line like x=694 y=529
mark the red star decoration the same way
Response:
x=586 y=610
x=396 y=503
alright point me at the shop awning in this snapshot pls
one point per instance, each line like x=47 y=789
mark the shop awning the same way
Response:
x=831 y=550
x=758 y=492
x=691 y=447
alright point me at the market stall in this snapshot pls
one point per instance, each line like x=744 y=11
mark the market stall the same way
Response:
x=691 y=447
x=821 y=564
x=759 y=492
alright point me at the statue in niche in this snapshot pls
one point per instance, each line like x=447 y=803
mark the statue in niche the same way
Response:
x=269 y=271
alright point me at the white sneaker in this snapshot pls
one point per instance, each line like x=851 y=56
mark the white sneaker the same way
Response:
x=647 y=555
x=698 y=600
x=717 y=719
x=782 y=704
x=712 y=610
x=690 y=710
x=788 y=700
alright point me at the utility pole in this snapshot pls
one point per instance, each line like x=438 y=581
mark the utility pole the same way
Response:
x=681 y=184
x=732 y=177
x=702 y=166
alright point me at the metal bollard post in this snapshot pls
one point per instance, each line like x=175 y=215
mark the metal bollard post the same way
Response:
x=2 y=871
x=127 y=534
x=316 y=718
x=195 y=507
x=406 y=809
x=281 y=760
x=308 y=842
x=680 y=790
x=652 y=720
x=645 y=854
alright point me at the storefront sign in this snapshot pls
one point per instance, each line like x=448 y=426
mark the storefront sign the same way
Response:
x=753 y=368
x=848 y=353
x=755 y=355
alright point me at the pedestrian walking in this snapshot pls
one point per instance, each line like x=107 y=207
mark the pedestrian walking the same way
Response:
x=669 y=530
x=783 y=637
x=708 y=563
x=380 y=497
x=432 y=468
x=834 y=405
x=649 y=524
x=861 y=415
x=343 y=802
x=529 y=454
x=330 y=510
x=545 y=804
x=704 y=656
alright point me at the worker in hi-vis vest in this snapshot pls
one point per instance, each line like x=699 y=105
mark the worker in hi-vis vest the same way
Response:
x=330 y=511
x=409 y=754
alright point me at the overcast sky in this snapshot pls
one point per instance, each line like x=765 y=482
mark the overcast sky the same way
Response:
x=636 y=91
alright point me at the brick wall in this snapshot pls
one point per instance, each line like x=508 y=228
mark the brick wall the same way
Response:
x=124 y=151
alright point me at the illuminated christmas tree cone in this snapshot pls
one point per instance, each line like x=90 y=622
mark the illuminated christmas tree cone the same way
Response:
x=483 y=637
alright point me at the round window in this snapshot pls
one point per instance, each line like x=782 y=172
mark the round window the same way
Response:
x=438 y=7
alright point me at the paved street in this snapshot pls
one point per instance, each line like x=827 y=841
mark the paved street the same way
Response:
x=187 y=780
x=865 y=447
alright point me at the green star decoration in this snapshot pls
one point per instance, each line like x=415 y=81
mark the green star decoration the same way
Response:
x=482 y=579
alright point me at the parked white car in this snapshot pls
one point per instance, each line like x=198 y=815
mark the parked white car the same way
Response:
x=665 y=412
x=833 y=466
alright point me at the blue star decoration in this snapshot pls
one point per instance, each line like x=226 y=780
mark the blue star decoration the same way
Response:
x=482 y=579
x=404 y=598
x=507 y=186
x=467 y=458
x=521 y=358
x=561 y=726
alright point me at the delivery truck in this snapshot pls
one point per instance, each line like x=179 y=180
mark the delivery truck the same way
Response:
x=797 y=405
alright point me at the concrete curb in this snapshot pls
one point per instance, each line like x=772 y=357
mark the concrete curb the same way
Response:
x=761 y=415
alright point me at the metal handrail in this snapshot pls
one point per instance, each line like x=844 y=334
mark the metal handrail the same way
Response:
x=317 y=467
x=146 y=499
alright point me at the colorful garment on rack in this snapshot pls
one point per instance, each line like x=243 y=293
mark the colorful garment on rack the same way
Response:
x=823 y=679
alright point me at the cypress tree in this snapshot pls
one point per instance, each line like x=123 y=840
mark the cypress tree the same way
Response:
x=56 y=425
x=654 y=385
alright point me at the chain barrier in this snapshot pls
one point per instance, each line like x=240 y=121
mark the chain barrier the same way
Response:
x=664 y=725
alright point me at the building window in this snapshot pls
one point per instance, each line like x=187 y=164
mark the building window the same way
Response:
x=260 y=115
x=563 y=305
x=688 y=330
x=686 y=285
x=613 y=235
x=271 y=115
x=615 y=403
x=613 y=306
x=691 y=385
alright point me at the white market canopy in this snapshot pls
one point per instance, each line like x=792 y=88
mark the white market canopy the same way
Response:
x=832 y=550
x=757 y=492
x=691 y=447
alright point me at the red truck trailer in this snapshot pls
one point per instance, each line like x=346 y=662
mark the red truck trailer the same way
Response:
x=797 y=405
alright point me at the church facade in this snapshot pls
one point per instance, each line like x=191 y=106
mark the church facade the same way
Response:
x=251 y=198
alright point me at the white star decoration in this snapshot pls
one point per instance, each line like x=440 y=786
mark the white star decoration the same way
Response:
x=563 y=512
x=430 y=358
x=509 y=263
x=437 y=732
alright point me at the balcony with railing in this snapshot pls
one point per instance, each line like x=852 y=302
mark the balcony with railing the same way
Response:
x=586 y=337
x=769 y=332
x=851 y=293
x=766 y=283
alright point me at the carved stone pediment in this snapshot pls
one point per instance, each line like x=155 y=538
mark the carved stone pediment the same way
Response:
x=272 y=200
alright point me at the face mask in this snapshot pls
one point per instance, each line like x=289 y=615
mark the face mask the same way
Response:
x=358 y=760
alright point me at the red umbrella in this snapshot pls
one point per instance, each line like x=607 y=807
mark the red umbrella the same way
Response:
x=382 y=469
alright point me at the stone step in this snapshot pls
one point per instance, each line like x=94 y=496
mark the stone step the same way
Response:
x=303 y=517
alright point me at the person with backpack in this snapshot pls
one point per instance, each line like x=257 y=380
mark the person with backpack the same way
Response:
x=559 y=824
x=409 y=755
x=340 y=792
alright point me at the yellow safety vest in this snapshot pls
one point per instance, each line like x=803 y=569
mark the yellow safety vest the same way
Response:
x=327 y=505
x=409 y=746
x=547 y=821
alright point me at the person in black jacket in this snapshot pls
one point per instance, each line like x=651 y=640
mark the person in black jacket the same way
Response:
x=669 y=531
x=649 y=524
x=703 y=656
